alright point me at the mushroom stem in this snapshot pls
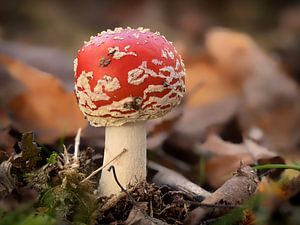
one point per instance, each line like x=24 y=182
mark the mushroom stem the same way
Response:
x=131 y=166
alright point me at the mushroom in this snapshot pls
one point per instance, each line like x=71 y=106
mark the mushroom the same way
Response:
x=123 y=78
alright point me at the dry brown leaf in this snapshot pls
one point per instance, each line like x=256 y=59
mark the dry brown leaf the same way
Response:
x=280 y=124
x=207 y=84
x=7 y=142
x=228 y=156
x=270 y=99
x=234 y=192
x=241 y=58
x=138 y=215
x=232 y=51
x=158 y=130
x=220 y=168
x=44 y=107
x=211 y=97
x=4 y=119
x=10 y=87
x=47 y=59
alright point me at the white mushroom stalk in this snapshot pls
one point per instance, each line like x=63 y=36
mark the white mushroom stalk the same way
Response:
x=131 y=167
x=122 y=79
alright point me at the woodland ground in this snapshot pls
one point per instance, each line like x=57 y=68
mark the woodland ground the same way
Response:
x=241 y=109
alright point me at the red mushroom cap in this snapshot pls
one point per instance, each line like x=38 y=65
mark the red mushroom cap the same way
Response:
x=128 y=75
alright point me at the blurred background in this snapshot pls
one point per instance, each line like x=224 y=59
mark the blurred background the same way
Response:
x=65 y=24
x=243 y=73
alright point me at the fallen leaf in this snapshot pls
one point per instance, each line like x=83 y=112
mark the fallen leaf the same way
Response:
x=50 y=60
x=234 y=192
x=44 y=106
x=207 y=84
x=7 y=181
x=211 y=98
x=7 y=142
x=158 y=130
x=10 y=88
x=227 y=157
x=138 y=216
x=269 y=98
x=4 y=119
x=30 y=153
x=231 y=51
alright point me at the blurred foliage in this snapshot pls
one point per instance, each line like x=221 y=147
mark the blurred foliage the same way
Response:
x=26 y=216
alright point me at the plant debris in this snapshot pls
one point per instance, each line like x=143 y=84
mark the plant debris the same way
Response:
x=30 y=153
x=241 y=106
x=43 y=105
x=152 y=201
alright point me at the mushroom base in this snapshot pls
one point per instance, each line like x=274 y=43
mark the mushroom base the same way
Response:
x=130 y=167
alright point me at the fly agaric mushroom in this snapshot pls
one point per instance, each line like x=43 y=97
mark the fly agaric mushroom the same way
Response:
x=123 y=78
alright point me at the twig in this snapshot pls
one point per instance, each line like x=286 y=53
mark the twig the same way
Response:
x=76 y=146
x=165 y=176
x=166 y=208
x=265 y=173
x=234 y=191
x=112 y=168
x=151 y=208
x=208 y=221
x=66 y=155
x=103 y=166
x=207 y=205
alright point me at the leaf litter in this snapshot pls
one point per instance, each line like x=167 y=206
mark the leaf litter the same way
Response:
x=241 y=83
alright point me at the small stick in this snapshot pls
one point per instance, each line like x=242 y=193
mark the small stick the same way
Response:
x=66 y=155
x=112 y=168
x=234 y=191
x=103 y=166
x=208 y=205
x=165 y=176
x=76 y=146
